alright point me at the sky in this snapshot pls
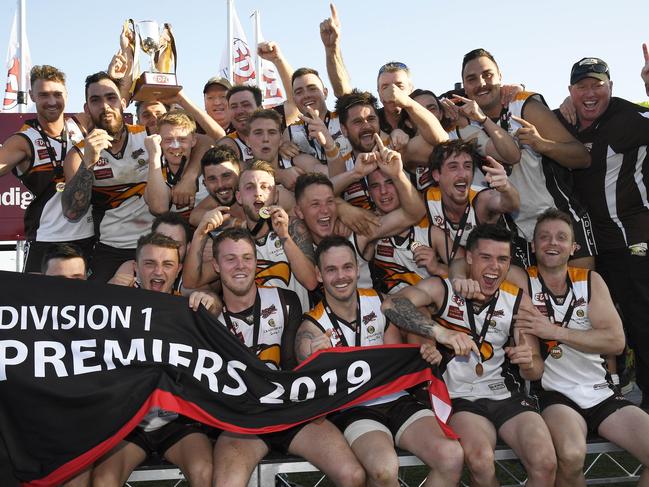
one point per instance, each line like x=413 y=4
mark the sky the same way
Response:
x=535 y=43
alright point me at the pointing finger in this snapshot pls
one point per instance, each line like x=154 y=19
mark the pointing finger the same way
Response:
x=522 y=121
x=379 y=142
x=645 y=51
x=334 y=12
x=461 y=98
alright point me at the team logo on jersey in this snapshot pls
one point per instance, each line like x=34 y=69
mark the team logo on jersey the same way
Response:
x=40 y=142
x=438 y=221
x=266 y=312
x=580 y=313
x=43 y=154
x=455 y=313
x=371 y=329
x=114 y=196
x=394 y=274
x=499 y=313
x=137 y=153
x=268 y=270
x=102 y=161
x=540 y=297
x=580 y=302
x=459 y=300
x=368 y=318
x=271 y=323
x=385 y=250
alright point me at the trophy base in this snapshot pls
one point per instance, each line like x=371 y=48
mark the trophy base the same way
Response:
x=155 y=86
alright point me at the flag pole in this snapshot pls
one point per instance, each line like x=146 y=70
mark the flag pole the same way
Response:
x=256 y=22
x=230 y=42
x=22 y=35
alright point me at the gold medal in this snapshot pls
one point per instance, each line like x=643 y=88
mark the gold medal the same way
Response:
x=479 y=370
x=60 y=187
x=556 y=352
x=264 y=212
x=415 y=245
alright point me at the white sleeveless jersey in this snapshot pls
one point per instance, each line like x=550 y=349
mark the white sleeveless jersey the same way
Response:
x=245 y=152
x=372 y=322
x=436 y=217
x=395 y=261
x=365 y=277
x=577 y=375
x=273 y=268
x=527 y=176
x=298 y=135
x=263 y=334
x=119 y=210
x=499 y=379
x=44 y=220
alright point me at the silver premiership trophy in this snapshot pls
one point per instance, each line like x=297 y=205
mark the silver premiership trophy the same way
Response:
x=153 y=84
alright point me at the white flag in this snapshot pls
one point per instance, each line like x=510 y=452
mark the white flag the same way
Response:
x=242 y=59
x=10 y=103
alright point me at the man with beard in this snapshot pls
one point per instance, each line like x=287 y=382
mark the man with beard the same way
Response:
x=265 y=319
x=486 y=388
x=317 y=207
x=284 y=249
x=242 y=102
x=35 y=154
x=108 y=169
x=349 y=316
x=454 y=205
x=178 y=439
x=544 y=142
x=574 y=317
x=220 y=171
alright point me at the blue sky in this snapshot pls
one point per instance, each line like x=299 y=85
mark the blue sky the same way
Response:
x=534 y=42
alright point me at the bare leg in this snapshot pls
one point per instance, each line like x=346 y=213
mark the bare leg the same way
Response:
x=629 y=428
x=426 y=440
x=80 y=480
x=193 y=455
x=568 y=430
x=325 y=447
x=114 y=469
x=235 y=458
x=528 y=436
x=478 y=440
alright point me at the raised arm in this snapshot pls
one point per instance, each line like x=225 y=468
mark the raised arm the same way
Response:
x=15 y=152
x=197 y=272
x=336 y=70
x=270 y=51
x=309 y=339
x=505 y=197
x=157 y=194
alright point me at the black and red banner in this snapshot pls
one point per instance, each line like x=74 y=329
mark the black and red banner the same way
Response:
x=81 y=363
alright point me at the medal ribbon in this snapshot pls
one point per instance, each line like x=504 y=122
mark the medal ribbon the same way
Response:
x=479 y=338
x=335 y=323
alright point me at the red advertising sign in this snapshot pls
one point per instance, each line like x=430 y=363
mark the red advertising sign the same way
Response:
x=14 y=197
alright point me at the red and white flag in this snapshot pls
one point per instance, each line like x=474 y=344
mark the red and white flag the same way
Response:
x=242 y=59
x=270 y=85
x=13 y=85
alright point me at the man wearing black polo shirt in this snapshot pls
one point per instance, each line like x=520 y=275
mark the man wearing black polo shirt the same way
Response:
x=616 y=132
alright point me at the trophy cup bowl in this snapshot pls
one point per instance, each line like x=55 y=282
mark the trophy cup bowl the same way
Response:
x=153 y=85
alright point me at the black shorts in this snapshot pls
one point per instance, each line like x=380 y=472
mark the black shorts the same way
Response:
x=280 y=441
x=498 y=411
x=593 y=415
x=160 y=440
x=395 y=416
x=35 y=251
x=106 y=260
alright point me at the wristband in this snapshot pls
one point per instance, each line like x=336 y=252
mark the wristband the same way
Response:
x=332 y=153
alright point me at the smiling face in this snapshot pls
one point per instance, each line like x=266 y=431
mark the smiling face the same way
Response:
x=105 y=106
x=317 y=207
x=455 y=177
x=241 y=105
x=264 y=139
x=236 y=263
x=221 y=181
x=216 y=104
x=50 y=98
x=338 y=273
x=157 y=268
x=382 y=191
x=361 y=125
x=256 y=189
x=482 y=79
x=177 y=142
x=308 y=91
x=489 y=261
x=554 y=243
x=591 y=98
x=148 y=114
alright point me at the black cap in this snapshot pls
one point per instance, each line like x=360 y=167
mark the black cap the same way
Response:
x=217 y=80
x=589 y=67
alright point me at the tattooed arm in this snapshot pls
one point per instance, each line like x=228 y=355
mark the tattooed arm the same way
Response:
x=401 y=309
x=78 y=192
x=309 y=339
x=298 y=246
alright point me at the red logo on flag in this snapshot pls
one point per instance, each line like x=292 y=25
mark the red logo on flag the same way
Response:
x=11 y=90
